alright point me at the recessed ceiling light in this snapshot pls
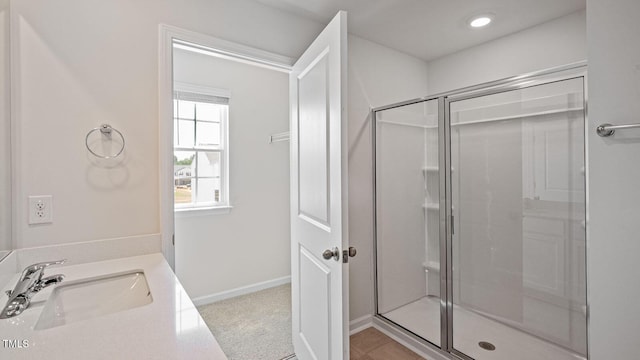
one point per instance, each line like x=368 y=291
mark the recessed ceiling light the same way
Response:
x=480 y=21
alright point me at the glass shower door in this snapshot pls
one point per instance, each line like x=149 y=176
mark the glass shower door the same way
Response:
x=517 y=252
x=407 y=218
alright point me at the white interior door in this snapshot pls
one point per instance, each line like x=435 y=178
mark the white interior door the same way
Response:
x=319 y=196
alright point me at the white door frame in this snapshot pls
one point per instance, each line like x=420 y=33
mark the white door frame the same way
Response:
x=211 y=45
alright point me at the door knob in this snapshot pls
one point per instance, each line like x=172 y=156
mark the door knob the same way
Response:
x=334 y=253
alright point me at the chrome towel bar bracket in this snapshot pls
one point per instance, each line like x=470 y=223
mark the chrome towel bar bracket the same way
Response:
x=605 y=130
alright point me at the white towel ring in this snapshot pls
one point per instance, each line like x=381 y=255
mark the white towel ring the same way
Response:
x=107 y=130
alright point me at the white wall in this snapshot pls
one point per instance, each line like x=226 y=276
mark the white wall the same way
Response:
x=557 y=42
x=5 y=131
x=377 y=76
x=88 y=62
x=614 y=197
x=251 y=244
x=83 y=63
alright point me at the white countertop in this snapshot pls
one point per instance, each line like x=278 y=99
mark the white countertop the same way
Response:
x=170 y=327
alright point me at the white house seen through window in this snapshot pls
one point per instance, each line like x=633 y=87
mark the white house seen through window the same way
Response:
x=200 y=149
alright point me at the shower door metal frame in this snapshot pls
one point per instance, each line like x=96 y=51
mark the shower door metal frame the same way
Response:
x=443 y=220
x=567 y=72
x=520 y=83
x=443 y=284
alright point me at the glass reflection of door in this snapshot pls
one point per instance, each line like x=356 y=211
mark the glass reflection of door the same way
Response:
x=518 y=275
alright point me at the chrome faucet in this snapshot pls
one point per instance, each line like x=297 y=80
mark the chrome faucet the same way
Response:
x=30 y=282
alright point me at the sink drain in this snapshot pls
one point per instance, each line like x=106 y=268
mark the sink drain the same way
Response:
x=487 y=345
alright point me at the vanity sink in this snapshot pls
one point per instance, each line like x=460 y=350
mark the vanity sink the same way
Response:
x=93 y=297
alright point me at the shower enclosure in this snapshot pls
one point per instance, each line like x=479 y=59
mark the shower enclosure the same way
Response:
x=480 y=216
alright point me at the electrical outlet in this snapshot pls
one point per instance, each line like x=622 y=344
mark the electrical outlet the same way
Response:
x=40 y=209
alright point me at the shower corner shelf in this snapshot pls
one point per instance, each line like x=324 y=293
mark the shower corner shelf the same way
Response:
x=431 y=265
x=432 y=169
x=431 y=206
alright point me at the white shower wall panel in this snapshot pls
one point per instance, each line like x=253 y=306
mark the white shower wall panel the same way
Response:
x=401 y=231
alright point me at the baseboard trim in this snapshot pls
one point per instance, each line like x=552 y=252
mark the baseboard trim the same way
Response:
x=223 y=295
x=359 y=324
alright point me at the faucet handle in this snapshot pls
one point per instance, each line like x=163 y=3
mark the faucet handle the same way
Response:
x=48 y=263
x=40 y=266
x=45 y=264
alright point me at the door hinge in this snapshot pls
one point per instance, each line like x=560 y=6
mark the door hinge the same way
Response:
x=173 y=239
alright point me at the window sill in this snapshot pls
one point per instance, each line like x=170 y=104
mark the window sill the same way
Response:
x=202 y=211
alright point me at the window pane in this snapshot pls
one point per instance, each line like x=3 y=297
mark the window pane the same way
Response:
x=186 y=109
x=208 y=133
x=209 y=190
x=182 y=191
x=198 y=129
x=186 y=133
x=208 y=164
x=183 y=170
x=209 y=112
x=183 y=161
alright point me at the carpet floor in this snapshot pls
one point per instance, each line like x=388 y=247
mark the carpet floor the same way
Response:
x=255 y=326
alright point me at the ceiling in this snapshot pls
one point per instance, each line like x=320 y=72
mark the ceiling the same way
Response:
x=429 y=29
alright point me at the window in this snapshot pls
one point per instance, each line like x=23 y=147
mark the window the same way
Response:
x=200 y=149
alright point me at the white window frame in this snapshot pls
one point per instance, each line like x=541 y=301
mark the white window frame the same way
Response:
x=225 y=205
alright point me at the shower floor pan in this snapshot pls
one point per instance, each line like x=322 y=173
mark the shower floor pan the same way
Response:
x=472 y=328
